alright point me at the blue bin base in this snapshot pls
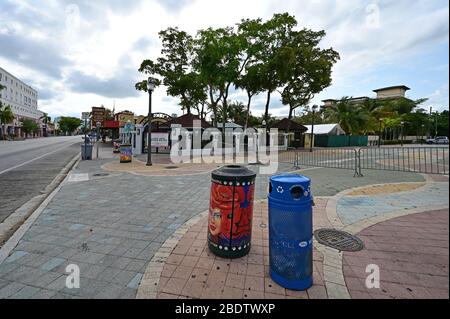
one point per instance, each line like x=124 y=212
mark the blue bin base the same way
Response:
x=292 y=284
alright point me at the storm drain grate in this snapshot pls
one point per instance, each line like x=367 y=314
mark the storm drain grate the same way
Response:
x=171 y=167
x=338 y=239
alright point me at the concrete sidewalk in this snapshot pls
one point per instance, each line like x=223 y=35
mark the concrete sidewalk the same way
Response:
x=113 y=223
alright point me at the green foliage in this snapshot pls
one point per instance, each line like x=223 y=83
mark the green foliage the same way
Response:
x=236 y=112
x=442 y=121
x=353 y=118
x=69 y=124
x=45 y=118
x=311 y=71
x=256 y=56
x=306 y=117
x=6 y=117
x=29 y=126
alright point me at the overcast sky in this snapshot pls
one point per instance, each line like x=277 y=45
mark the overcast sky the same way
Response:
x=85 y=53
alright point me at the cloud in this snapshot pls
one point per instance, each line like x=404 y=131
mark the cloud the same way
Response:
x=119 y=86
x=34 y=54
x=174 y=5
x=82 y=53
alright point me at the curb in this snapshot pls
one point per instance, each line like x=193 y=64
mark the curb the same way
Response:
x=20 y=215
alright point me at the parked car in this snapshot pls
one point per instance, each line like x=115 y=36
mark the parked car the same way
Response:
x=438 y=140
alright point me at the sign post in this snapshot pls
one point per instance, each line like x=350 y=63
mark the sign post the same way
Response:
x=97 y=137
x=85 y=116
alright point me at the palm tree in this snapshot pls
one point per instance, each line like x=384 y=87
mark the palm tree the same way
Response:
x=6 y=116
x=46 y=119
x=353 y=118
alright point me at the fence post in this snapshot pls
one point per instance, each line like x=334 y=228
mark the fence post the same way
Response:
x=296 y=160
x=357 y=163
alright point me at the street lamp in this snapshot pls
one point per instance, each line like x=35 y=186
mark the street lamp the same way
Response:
x=151 y=88
x=98 y=134
x=314 y=108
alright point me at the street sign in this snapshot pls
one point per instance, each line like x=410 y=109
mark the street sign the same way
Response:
x=85 y=115
x=160 y=139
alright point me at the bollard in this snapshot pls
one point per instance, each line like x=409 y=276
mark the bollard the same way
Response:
x=291 y=231
x=231 y=211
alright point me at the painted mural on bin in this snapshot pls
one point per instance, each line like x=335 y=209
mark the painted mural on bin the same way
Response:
x=126 y=154
x=230 y=216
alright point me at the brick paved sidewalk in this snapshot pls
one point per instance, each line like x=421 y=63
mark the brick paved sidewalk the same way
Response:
x=192 y=271
x=412 y=253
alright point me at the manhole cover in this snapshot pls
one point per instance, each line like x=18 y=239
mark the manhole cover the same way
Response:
x=339 y=240
x=171 y=167
x=101 y=174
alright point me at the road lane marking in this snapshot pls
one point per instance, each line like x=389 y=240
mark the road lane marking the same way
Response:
x=36 y=158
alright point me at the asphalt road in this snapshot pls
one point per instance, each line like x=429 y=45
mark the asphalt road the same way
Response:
x=27 y=167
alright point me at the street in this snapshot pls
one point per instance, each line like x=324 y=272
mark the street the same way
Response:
x=27 y=167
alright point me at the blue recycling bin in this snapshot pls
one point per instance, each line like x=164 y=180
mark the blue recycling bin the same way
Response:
x=291 y=231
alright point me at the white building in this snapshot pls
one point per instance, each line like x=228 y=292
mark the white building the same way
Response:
x=22 y=98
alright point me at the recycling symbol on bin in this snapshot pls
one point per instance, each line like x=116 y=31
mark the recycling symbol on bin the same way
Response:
x=280 y=189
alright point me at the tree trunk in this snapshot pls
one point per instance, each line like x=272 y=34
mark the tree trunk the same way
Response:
x=290 y=112
x=248 y=110
x=266 y=112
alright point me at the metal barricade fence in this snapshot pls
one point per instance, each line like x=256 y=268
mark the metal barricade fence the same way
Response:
x=428 y=160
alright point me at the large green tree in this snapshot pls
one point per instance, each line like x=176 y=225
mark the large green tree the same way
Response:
x=311 y=71
x=29 y=126
x=250 y=79
x=69 y=124
x=219 y=60
x=275 y=54
x=175 y=66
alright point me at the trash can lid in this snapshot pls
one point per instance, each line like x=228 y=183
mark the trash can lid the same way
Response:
x=234 y=173
x=290 y=187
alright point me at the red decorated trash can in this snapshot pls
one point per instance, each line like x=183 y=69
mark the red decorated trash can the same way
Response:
x=231 y=211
